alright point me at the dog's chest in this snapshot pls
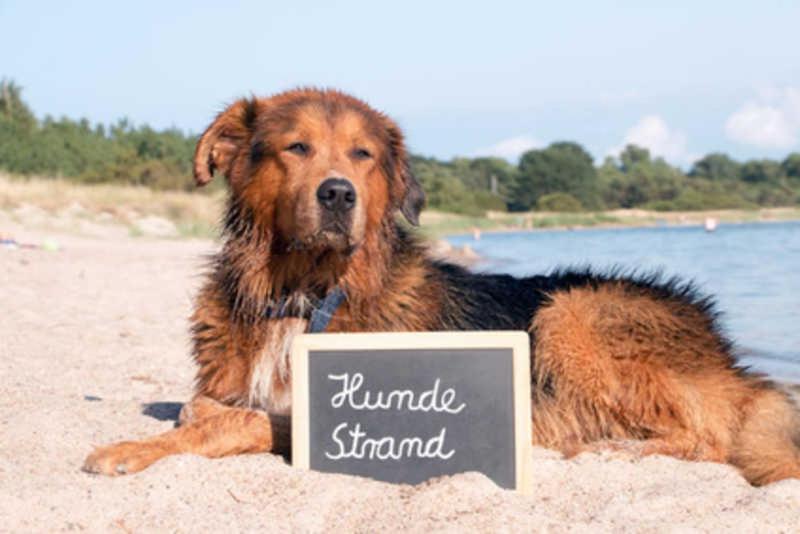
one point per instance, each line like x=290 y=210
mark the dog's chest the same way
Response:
x=270 y=373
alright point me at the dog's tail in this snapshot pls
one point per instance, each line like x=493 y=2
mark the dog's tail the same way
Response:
x=767 y=447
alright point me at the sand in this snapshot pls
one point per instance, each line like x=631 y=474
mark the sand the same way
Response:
x=94 y=349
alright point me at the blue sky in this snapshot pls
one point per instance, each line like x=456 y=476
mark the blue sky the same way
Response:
x=462 y=78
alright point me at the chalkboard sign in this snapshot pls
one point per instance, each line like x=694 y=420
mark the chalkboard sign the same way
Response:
x=405 y=407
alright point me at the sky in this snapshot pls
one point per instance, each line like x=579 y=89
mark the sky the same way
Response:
x=682 y=78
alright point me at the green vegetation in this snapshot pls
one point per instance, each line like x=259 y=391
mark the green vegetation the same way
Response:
x=88 y=153
x=559 y=178
x=558 y=202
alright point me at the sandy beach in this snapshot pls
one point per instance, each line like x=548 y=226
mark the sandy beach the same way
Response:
x=94 y=349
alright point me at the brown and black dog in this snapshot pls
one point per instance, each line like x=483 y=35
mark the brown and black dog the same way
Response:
x=316 y=179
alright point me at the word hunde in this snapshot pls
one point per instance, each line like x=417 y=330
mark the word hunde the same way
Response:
x=398 y=399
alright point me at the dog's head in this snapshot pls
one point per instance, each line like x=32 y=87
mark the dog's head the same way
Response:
x=319 y=168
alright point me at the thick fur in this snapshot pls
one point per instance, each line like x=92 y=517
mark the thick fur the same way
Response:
x=619 y=361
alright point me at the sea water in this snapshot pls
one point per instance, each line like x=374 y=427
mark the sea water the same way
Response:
x=753 y=270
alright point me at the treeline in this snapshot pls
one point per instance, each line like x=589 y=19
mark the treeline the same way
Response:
x=561 y=177
x=79 y=150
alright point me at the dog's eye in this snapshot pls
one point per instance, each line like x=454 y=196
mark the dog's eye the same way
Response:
x=361 y=153
x=301 y=149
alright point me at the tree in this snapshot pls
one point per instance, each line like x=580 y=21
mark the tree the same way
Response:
x=612 y=184
x=716 y=166
x=495 y=175
x=761 y=171
x=460 y=186
x=791 y=165
x=632 y=156
x=562 y=167
x=12 y=107
x=639 y=180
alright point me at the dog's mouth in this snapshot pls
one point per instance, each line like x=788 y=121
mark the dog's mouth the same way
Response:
x=336 y=227
x=333 y=237
x=335 y=233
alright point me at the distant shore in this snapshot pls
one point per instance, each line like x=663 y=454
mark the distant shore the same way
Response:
x=440 y=224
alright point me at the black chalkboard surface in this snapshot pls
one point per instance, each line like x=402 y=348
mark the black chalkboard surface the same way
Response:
x=405 y=407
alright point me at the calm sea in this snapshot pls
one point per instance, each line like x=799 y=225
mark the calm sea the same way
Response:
x=753 y=269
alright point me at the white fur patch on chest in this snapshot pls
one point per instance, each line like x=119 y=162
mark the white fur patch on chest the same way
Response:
x=271 y=373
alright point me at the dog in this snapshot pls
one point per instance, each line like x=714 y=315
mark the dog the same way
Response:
x=318 y=182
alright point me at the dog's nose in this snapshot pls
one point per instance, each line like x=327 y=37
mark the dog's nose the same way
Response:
x=337 y=194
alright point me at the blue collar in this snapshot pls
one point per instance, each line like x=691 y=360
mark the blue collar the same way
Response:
x=322 y=315
x=298 y=305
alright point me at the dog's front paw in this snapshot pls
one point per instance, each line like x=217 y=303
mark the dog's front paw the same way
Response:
x=122 y=458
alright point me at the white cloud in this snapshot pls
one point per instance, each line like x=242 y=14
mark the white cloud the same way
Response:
x=511 y=148
x=772 y=120
x=653 y=133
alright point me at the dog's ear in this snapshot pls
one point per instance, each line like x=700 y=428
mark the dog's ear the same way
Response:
x=223 y=140
x=407 y=192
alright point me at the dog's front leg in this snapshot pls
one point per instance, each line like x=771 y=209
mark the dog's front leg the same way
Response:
x=233 y=431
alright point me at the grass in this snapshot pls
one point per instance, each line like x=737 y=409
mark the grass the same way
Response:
x=194 y=214
x=198 y=214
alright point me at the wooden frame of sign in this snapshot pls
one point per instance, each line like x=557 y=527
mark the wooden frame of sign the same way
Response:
x=478 y=363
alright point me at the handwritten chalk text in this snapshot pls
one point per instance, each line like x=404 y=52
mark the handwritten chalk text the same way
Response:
x=400 y=399
x=356 y=444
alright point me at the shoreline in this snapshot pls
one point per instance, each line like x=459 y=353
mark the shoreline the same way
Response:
x=610 y=226
x=614 y=220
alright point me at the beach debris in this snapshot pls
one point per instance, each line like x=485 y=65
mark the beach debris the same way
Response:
x=8 y=242
x=50 y=245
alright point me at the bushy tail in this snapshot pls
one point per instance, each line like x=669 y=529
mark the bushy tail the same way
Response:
x=767 y=448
